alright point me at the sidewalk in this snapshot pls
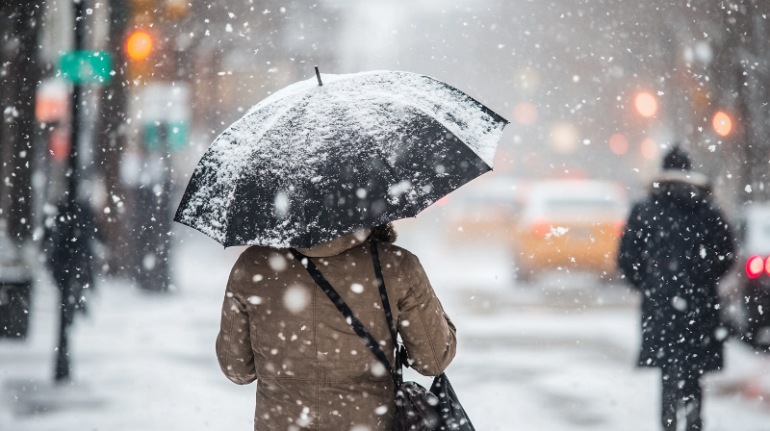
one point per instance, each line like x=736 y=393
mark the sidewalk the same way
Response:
x=140 y=361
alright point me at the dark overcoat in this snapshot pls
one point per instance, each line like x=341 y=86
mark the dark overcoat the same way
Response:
x=675 y=248
x=67 y=243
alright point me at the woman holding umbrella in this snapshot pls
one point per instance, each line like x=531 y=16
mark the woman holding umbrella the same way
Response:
x=311 y=178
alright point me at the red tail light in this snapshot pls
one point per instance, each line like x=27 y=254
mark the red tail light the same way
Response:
x=618 y=227
x=755 y=266
x=540 y=227
x=767 y=265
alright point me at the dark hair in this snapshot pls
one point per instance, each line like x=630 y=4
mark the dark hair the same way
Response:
x=384 y=233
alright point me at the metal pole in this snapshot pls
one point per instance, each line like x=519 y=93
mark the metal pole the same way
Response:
x=67 y=302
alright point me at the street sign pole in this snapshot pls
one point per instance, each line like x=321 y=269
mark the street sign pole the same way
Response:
x=69 y=240
x=66 y=305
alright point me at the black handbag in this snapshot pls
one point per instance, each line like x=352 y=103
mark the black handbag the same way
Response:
x=417 y=409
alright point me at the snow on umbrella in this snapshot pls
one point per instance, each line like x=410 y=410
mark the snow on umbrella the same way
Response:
x=313 y=162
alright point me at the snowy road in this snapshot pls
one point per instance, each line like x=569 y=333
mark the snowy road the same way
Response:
x=557 y=355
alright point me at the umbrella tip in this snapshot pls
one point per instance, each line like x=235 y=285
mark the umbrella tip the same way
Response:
x=318 y=75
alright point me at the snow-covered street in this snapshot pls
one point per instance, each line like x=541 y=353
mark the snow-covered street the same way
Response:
x=557 y=355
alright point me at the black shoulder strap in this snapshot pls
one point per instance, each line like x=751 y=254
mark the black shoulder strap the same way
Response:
x=354 y=323
x=400 y=355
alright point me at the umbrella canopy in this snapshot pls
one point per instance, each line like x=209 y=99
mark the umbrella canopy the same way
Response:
x=312 y=163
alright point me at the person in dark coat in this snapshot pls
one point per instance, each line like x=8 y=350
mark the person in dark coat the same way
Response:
x=67 y=243
x=675 y=248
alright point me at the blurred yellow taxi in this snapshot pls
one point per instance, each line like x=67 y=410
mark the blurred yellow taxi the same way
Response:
x=484 y=210
x=570 y=225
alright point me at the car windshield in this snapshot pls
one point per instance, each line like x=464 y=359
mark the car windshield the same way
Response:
x=571 y=200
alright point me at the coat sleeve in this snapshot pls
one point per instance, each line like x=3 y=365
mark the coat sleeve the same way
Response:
x=632 y=246
x=428 y=334
x=233 y=345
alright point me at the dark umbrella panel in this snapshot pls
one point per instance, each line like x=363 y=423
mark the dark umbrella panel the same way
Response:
x=310 y=163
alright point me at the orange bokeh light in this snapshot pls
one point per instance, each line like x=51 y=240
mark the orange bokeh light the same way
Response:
x=722 y=123
x=139 y=45
x=525 y=113
x=649 y=149
x=618 y=144
x=646 y=104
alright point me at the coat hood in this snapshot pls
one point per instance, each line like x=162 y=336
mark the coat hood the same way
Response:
x=336 y=246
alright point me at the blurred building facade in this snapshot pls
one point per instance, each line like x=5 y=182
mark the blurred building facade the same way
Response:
x=568 y=74
x=223 y=57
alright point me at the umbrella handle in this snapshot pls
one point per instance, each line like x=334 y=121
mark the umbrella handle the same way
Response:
x=318 y=75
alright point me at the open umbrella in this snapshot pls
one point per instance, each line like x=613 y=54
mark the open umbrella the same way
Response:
x=316 y=161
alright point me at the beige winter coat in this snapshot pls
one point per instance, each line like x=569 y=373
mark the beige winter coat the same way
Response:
x=313 y=371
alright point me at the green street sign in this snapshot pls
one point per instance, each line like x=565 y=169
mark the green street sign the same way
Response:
x=170 y=136
x=86 y=67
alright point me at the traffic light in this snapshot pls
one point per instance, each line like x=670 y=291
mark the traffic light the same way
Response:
x=139 y=45
x=140 y=51
x=152 y=23
x=722 y=123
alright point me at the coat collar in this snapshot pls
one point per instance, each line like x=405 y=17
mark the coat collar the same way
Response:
x=336 y=246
